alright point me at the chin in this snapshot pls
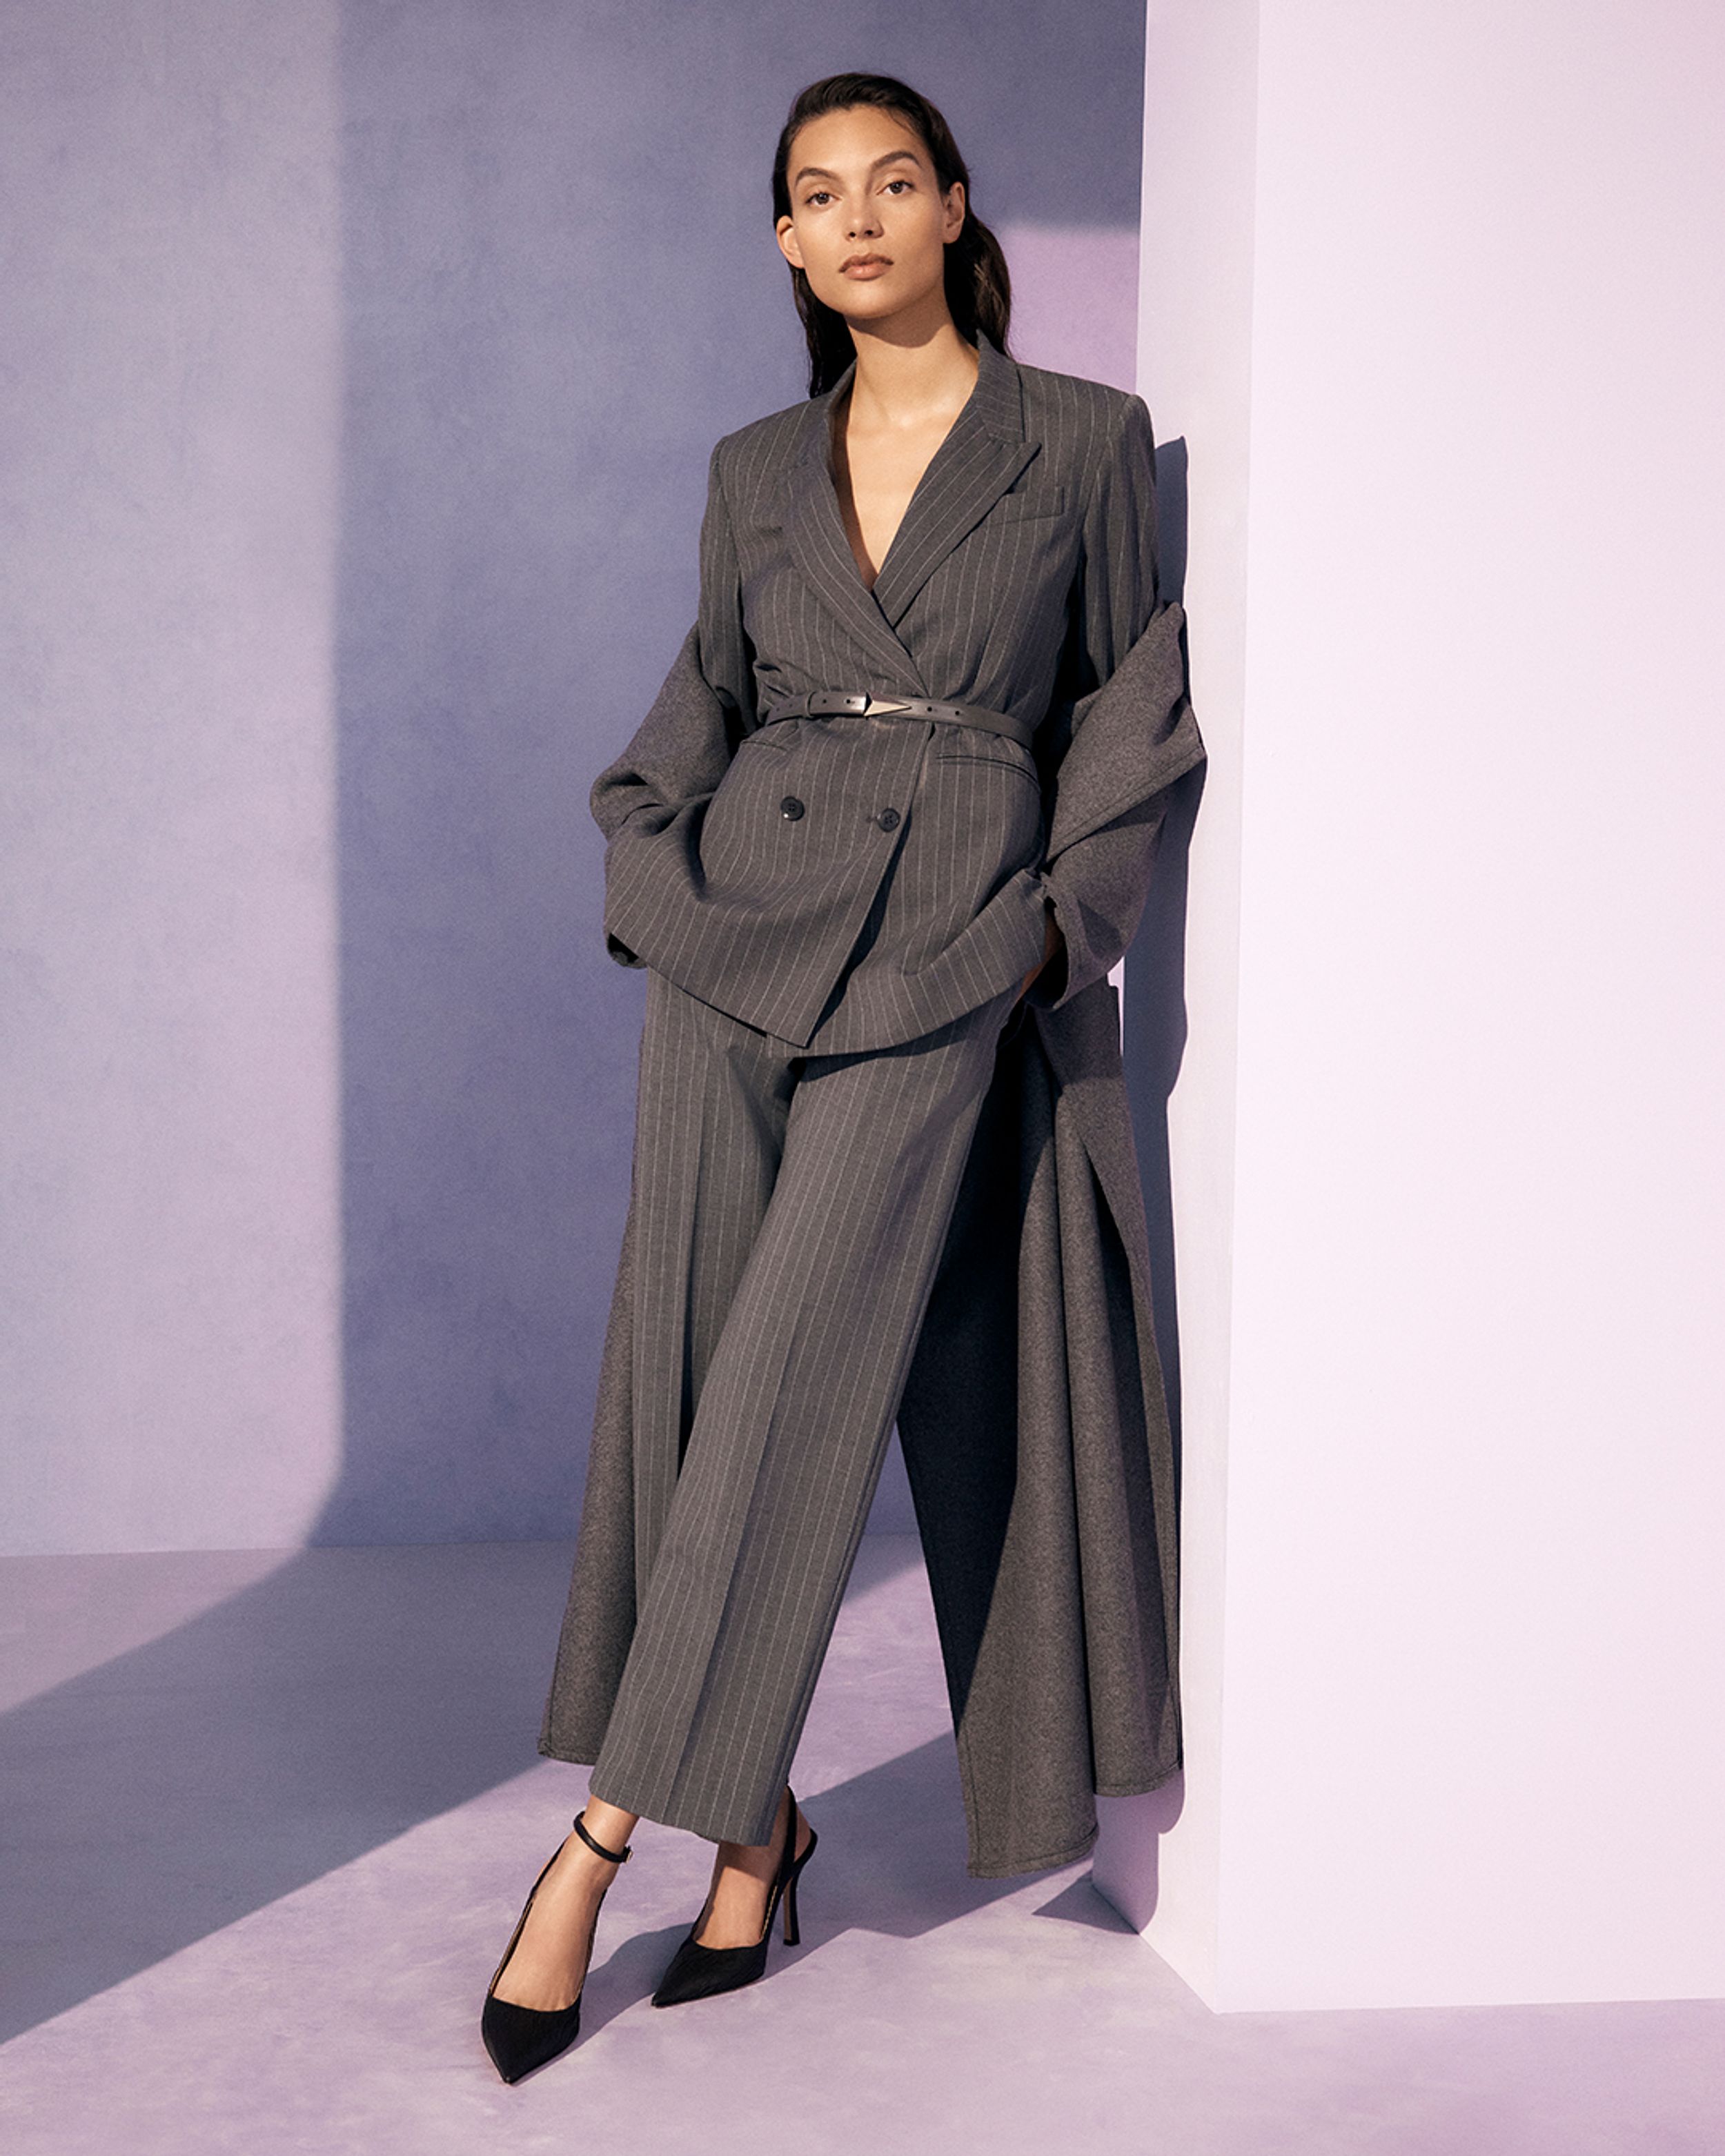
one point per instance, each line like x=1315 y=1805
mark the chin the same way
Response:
x=865 y=307
x=877 y=302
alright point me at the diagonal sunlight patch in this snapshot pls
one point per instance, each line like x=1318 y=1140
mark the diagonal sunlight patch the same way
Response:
x=61 y=1617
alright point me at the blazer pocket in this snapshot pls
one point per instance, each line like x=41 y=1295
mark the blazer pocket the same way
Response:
x=991 y=763
x=1032 y=501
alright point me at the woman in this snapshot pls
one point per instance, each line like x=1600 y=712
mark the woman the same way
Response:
x=902 y=786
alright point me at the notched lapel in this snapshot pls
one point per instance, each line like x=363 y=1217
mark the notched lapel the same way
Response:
x=945 y=510
x=981 y=457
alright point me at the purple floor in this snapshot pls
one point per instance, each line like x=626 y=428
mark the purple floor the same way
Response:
x=269 y=1820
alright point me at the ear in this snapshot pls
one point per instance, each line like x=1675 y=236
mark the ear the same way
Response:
x=955 y=210
x=786 y=233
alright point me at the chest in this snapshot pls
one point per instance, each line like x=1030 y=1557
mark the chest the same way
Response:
x=875 y=474
x=973 y=596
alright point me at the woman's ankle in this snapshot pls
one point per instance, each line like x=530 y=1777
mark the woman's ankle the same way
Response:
x=608 y=1824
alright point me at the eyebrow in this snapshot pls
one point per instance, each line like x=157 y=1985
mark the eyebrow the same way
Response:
x=820 y=172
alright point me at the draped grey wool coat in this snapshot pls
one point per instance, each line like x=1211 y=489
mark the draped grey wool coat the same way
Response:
x=1023 y=578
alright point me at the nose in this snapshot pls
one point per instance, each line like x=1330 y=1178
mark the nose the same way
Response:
x=864 y=220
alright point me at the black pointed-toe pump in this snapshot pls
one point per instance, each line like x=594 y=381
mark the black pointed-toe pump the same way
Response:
x=698 y=1972
x=522 y=2039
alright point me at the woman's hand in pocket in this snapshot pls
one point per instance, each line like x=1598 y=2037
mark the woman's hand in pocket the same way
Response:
x=1052 y=944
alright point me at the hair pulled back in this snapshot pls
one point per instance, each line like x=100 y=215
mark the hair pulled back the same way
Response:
x=979 y=290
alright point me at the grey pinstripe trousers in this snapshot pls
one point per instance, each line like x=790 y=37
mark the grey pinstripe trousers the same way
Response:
x=791 y=1212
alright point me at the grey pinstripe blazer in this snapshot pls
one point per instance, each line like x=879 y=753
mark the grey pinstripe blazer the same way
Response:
x=1023 y=578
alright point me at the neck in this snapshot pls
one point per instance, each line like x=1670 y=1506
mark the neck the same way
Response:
x=908 y=372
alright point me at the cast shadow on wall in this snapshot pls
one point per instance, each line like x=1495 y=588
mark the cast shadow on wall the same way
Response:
x=1153 y=1043
x=1153 y=1020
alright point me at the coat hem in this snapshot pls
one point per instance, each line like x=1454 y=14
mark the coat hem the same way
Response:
x=1140 y=1788
x=586 y=1755
x=1053 y=1862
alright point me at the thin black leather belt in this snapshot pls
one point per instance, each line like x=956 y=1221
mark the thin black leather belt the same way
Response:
x=826 y=703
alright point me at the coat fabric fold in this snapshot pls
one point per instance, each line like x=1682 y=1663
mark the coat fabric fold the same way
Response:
x=1033 y=1422
x=1036 y=1439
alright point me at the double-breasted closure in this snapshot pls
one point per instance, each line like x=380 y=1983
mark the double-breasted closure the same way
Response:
x=1034 y=1421
x=850 y=883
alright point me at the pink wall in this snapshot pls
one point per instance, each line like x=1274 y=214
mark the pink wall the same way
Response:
x=1449 y=1161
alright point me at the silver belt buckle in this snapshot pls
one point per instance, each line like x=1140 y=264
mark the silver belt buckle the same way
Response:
x=873 y=703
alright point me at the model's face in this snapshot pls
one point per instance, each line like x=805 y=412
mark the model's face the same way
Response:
x=869 y=225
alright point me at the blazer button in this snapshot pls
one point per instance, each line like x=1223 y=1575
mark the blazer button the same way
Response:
x=888 y=819
x=790 y=807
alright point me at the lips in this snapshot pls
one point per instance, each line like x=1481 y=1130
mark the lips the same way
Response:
x=866 y=265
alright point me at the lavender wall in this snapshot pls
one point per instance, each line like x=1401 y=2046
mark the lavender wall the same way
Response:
x=169 y=365
x=367 y=359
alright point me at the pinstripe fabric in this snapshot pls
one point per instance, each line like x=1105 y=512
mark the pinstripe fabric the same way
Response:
x=835 y=914
x=907 y=884
x=790 y=1211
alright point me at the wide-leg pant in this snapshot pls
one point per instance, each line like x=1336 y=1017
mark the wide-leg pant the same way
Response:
x=791 y=1210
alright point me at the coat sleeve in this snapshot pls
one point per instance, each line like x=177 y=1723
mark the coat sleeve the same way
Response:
x=680 y=750
x=1132 y=733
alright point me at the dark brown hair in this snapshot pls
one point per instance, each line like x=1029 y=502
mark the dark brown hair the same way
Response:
x=978 y=290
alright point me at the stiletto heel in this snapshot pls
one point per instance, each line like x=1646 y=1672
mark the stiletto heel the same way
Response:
x=522 y=2039
x=793 y=1930
x=698 y=1972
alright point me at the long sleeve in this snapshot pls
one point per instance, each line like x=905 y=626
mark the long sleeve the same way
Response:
x=1132 y=730
x=679 y=752
x=651 y=801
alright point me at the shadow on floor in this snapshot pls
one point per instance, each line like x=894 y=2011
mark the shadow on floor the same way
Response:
x=349 y=1696
x=890 y=1861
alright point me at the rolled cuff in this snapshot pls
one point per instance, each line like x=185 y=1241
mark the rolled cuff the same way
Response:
x=1097 y=889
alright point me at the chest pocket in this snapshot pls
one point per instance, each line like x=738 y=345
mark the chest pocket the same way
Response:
x=1031 y=501
x=1006 y=588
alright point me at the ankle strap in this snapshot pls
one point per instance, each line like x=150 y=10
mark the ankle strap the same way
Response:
x=599 y=1848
